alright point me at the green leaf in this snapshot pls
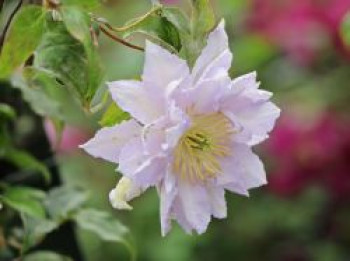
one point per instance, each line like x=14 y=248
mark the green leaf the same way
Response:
x=103 y=224
x=345 y=29
x=78 y=69
x=35 y=230
x=25 y=34
x=27 y=162
x=203 y=21
x=77 y=23
x=203 y=17
x=62 y=202
x=7 y=112
x=25 y=200
x=46 y=96
x=41 y=90
x=158 y=29
x=86 y=4
x=46 y=256
x=177 y=18
x=113 y=116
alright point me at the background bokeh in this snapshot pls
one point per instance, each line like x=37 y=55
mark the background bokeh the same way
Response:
x=304 y=213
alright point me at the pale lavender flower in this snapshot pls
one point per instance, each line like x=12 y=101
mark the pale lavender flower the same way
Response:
x=190 y=136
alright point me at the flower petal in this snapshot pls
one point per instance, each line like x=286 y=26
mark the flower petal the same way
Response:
x=143 y=169
x=179 y=123
x=108 y=141
x=241 y=171
x=161 y=67
x=179 y=215
x=133 y=97
x=217 y=201
x=194 y=200
x=125 y=191
x=167 y=194
x=249 y=109
x=205 y=97
x=216 y=55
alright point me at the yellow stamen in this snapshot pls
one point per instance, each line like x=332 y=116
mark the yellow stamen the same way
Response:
x=197 y=155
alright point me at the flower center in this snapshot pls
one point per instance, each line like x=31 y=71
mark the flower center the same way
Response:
x=197 y=154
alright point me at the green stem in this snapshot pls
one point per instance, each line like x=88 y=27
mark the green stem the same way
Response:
x=7 y=25
x=132 y=251
x=119 y=40
x=155 y=9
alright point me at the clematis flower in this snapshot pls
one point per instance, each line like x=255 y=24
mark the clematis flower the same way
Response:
x=190 y=136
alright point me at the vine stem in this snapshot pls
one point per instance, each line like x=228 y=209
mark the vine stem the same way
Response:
x=7 y=25
x=155 y=9
x=119 y=40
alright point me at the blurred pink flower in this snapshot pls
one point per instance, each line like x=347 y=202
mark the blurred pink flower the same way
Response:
x=71 y=138
x=303 y=28
x=316 y=154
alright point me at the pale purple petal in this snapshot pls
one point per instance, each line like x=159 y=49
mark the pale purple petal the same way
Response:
x=217 y=201
x=161 y=67
x=171 y=206
x=247 y=87
x=109 y=141
x=241 y=171
x=167 y=194
x=143 y=169
x=194 y=200
x=179 y=215
x=205 y=97
x=133 y=97
x=249 y=109
x=216 y=55
x=179 y=123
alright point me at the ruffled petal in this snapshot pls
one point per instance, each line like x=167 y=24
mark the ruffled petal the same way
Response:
x=125 y=191
x=133 y=97
x=109 y=141
x=179 y=215
x=205 y=97
x=215 y=56
x=195 y=201
x=142 y=168
x=161 y=67
x=250 y=110
x=217 y=201
x=241 y=171
x=179 y=123
x=167 y=194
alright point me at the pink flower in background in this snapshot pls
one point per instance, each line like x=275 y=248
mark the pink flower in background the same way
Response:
x=71 y=137
x=305 y=155
x=191 y=135
x=303 y=28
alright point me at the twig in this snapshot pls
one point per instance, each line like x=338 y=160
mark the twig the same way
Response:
x=133 y=24
x=7 y=25
x=119 y=40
